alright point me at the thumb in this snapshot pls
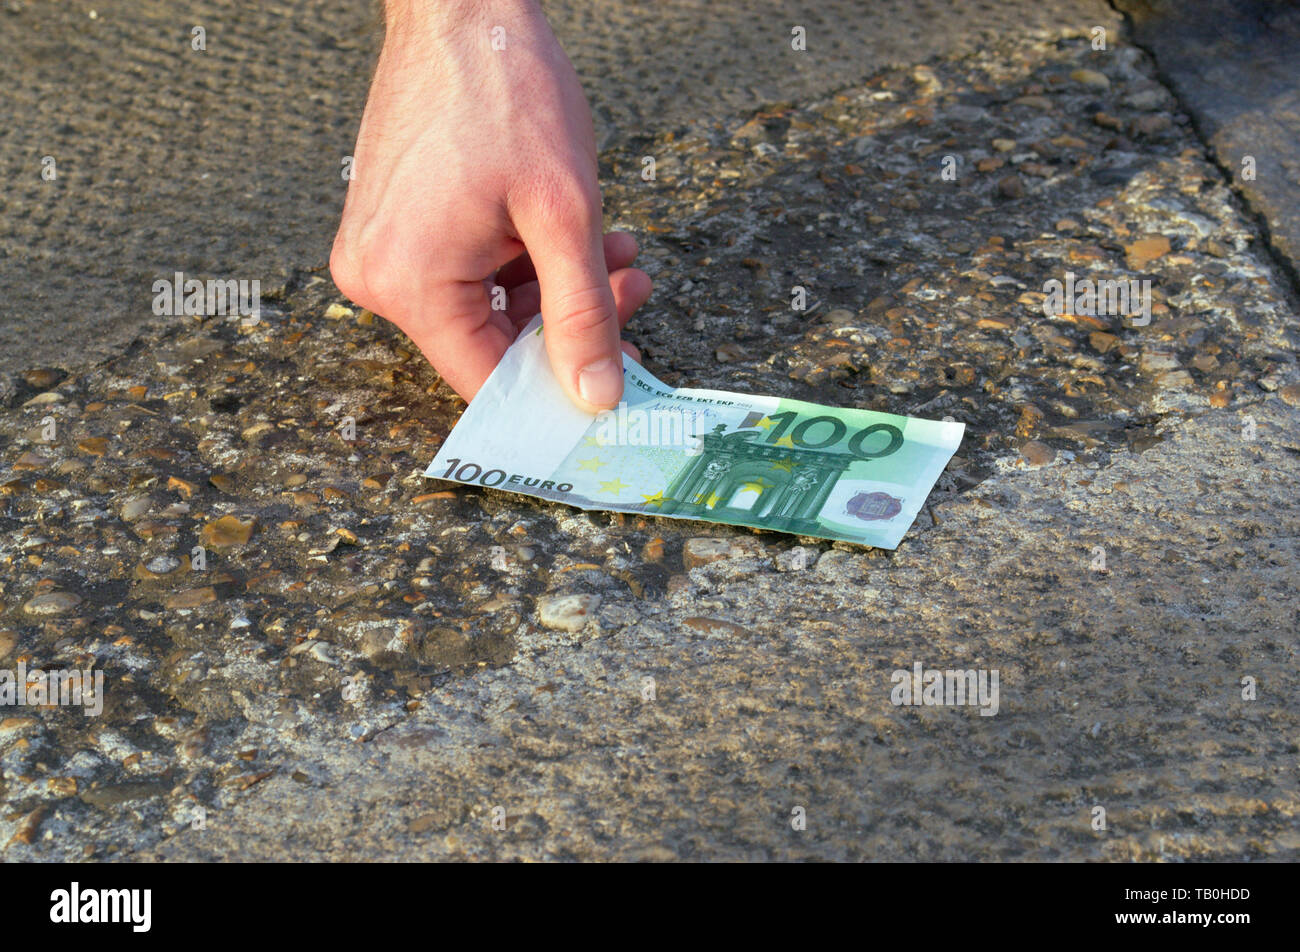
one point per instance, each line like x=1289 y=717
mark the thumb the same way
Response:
x=578 y=310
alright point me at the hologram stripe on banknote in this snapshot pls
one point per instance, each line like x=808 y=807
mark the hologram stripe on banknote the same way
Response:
x=711 y=455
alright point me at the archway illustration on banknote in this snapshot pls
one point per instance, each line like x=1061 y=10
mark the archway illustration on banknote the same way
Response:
x=735 y=478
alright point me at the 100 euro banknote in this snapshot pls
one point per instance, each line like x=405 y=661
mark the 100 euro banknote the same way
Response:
x=766 y=462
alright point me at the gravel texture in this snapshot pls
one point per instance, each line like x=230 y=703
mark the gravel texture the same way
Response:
x=312 y=652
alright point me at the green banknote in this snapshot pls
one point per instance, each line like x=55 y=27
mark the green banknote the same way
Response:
x=766 y=462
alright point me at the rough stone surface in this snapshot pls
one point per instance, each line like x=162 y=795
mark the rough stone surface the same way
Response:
x=227 y=162
x=368 y=674
x=1233 y=64
x=567 y=612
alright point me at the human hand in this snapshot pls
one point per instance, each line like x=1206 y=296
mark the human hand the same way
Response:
x=476 y=167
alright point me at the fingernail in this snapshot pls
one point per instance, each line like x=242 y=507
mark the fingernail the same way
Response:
x=601 y=383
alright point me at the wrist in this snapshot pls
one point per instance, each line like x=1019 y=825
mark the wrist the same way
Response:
x=417 y=13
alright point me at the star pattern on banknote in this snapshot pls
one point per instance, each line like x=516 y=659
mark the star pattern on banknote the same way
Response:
x=657 y=499
x=592 y=441
x=784 y=441
x=591 y=465
x=614 y=486
x=766 y=423
x=786 y=464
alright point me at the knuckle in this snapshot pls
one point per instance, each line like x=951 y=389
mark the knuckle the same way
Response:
x=582 y=311
x=379 y=276
x=365 y=270
x=344 y=271
x=570 y=203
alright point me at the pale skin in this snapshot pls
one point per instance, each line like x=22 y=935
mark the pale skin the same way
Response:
x=476 y=168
